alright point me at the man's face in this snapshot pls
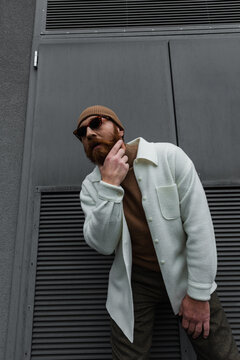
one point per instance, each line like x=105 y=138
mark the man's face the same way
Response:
x=98 y=142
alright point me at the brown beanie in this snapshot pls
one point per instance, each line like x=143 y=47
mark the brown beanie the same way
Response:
x=99 y=110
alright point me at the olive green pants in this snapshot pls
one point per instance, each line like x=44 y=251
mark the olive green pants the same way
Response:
x=148 y=293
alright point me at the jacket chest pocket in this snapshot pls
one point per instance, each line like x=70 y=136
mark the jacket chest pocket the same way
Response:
x=169 y=201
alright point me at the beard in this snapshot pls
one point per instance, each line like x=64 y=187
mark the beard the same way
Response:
x=98 y=155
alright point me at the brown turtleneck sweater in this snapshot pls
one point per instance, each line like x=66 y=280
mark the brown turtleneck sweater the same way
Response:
x=143 y=252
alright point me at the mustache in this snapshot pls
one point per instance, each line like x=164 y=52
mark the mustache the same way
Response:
x=95 y=142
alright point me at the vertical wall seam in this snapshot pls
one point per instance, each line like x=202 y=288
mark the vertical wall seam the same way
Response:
x=173 y=93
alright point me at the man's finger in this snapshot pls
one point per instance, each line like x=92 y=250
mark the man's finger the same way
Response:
x=185 y=323
x=116 y=147
x=191 y=328
x=120 y=152
x=206 y=329
x=197 y=331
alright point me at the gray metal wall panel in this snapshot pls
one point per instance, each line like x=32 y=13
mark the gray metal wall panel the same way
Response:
x=131 y=76
x=206 y=76
x=50 y=174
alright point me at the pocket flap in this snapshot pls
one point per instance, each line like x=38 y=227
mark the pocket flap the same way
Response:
x=168 y=201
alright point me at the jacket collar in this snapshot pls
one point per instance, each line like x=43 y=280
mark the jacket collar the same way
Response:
x=146 y=151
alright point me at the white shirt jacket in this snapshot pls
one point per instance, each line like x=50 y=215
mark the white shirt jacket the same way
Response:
x=179 y=220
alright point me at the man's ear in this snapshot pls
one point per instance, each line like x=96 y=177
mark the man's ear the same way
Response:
x=121 y=132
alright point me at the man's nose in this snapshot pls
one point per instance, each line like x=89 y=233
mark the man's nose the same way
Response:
x=90 y=133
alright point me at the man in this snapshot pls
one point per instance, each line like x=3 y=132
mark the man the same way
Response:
x=145 y=202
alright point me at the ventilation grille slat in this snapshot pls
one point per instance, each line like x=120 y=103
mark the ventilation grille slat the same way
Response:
x=76 y=14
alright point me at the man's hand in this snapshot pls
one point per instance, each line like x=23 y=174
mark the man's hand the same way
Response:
x=195 y=316
x=115 y=166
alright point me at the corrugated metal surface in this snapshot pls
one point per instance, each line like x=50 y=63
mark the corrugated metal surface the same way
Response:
x=70 y=320
x=224 y=204
x=76 y=14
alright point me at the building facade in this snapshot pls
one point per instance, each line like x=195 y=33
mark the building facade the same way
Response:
x=175 y=64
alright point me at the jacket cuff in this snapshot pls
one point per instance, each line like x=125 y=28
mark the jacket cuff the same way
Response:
x=199 y=291
x=110 y=192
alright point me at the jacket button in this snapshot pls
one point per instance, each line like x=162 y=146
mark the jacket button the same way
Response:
x=156 y=241
x=162 y=262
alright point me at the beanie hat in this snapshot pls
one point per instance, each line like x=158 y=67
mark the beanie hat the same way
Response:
x=99 y=110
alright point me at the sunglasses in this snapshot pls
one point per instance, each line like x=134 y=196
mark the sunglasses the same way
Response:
x=94 y=124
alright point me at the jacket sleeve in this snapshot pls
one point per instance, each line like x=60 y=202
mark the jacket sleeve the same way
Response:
x=197 y=223
x=103 y=216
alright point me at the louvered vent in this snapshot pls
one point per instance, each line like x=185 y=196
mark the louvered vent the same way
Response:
x=77 y=14
x=224 y=204
x=70 y=320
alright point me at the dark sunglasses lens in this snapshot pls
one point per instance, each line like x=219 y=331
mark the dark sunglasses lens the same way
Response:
x=95 y=123
x=81 y=131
